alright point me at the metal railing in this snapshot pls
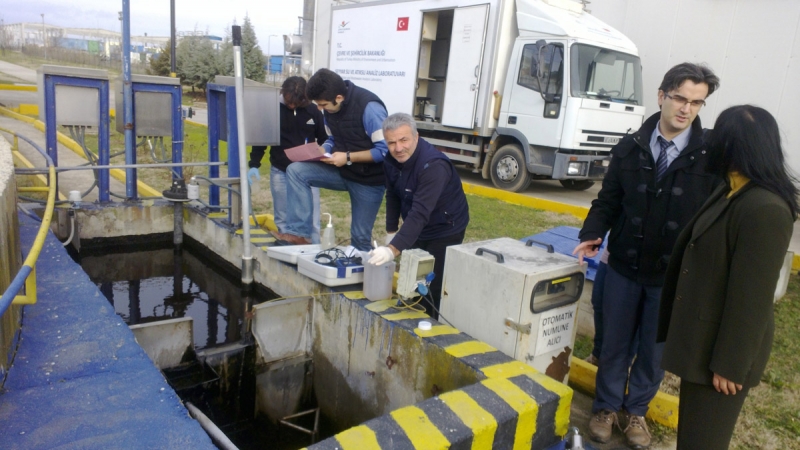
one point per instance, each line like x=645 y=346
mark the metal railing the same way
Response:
x=27 y=273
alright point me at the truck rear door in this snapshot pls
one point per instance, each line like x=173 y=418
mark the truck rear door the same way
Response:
x=464 y=66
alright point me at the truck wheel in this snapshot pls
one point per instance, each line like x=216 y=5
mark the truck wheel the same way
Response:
x=508 y=169
x=577 y=185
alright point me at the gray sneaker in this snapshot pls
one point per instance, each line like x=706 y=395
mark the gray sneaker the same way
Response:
x=637 y=433
x=601 y=425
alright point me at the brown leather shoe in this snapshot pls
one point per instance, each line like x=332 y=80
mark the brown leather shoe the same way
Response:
x=637 y=433
x=601 y=425
x=290 y=239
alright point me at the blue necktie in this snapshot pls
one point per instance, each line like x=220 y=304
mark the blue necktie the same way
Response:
x=662 y=163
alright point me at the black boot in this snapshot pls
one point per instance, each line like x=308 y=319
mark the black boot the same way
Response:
x=177 y=191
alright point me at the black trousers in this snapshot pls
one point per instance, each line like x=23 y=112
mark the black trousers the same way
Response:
x=437 y=248
x=706 y=418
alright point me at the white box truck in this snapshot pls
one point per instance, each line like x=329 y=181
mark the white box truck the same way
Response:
x=532 y=89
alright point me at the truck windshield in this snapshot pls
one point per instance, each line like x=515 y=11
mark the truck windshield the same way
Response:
x=605 y=74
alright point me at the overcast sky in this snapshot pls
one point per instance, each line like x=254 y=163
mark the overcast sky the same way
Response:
x=277 y=17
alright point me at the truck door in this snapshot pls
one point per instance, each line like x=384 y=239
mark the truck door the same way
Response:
x=464 y=66
x=527 y=110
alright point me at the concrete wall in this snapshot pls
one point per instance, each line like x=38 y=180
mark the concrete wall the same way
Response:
x=10 y=255
x=367 y=366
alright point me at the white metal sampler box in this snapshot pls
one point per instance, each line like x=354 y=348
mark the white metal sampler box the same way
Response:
x=517 y=298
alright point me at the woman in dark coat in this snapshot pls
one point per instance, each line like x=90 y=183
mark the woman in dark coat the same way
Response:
x=717 y=303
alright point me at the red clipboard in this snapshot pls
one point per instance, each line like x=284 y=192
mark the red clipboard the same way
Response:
x=305 y=153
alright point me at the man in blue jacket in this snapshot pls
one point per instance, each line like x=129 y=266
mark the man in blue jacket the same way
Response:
x=422 y=187
x=353 y=116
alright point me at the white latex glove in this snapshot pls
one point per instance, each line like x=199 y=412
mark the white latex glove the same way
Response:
x=389 y=237
x=380 y=255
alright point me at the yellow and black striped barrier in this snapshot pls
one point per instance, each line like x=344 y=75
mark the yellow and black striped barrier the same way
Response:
x=513 y=406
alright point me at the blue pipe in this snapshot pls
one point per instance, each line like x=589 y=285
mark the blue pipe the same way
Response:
x=14 y=288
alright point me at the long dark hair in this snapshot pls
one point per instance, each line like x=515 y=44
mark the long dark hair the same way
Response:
x=746 y=139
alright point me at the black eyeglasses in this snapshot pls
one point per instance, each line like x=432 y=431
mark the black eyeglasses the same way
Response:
x=681 y=100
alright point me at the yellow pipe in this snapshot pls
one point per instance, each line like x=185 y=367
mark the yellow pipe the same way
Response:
x=17 y=87
x=19 y=159
x=34 y=189
x=30 y=291
x=30 y=283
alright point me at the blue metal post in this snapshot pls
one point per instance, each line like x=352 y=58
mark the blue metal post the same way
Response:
x=177 y=131
x=233 y=143
x=212 y=97
x=103 y=144
x=51 y=142
x=127 y=102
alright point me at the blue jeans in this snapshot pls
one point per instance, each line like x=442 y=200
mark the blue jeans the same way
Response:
x=277 y=185
x=597 y=306
x=365 y=200
x=628 y=307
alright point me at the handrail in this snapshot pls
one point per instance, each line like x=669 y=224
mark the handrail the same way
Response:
x=27 y=273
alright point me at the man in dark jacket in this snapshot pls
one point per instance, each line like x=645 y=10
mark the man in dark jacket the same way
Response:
x=422 y=187
x=353 y=117
x=301 y=122
x=656 y=181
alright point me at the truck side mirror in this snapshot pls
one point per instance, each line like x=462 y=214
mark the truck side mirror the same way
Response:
x=549 y=74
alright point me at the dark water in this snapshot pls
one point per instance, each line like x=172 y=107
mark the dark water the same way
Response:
x=151 y=280
x=158 y=282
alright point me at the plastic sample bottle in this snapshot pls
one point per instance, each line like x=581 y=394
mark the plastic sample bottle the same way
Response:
x=378 y=280
x=328 y=239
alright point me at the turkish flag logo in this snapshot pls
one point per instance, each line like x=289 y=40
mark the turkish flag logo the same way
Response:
x=402 y=24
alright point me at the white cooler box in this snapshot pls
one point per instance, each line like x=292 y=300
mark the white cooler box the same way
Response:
x=519 y=299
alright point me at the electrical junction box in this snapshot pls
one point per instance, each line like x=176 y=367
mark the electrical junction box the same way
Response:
x=152 y=110
x=415 y=264
x=75 y=105
x=519 y=299
x=261 y=112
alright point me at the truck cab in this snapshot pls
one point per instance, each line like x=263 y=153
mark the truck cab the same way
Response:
x=567 y=101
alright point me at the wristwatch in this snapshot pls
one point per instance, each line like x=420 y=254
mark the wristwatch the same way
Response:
x=349 y=163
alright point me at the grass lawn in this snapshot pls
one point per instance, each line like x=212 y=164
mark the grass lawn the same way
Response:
x=770 y=418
